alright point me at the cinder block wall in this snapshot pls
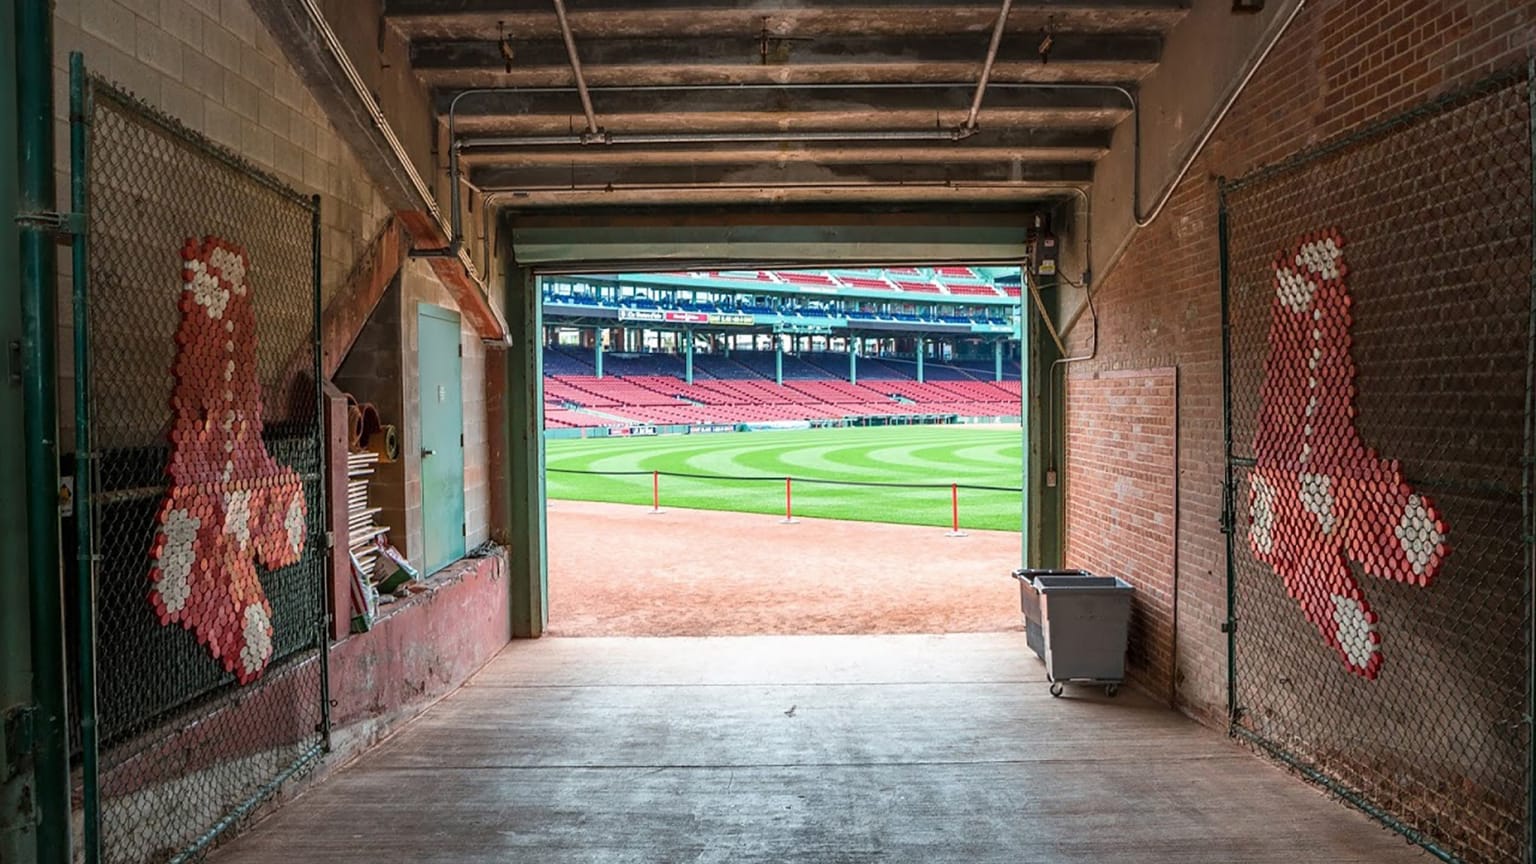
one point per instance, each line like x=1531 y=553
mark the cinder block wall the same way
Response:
x=1343 y=64
x=214 y=67
x=371 y=373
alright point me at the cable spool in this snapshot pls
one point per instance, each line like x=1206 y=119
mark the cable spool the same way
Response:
x=354 y=425
x=385 y=442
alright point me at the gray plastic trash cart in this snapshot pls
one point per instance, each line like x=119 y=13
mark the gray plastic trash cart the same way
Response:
x=1078 y=624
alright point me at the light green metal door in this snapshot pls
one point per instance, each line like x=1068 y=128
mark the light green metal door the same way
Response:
x=439 y=365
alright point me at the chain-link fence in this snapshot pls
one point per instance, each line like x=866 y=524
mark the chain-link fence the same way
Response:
x=207 y=498
x=1379 y=297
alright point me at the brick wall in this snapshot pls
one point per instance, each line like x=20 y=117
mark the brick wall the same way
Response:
x=1121 y=488
x=1342 y=64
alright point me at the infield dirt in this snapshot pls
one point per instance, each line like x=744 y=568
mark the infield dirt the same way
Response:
x=618 y=570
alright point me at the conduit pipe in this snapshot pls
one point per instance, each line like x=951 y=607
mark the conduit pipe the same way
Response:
x=1210 y=128
x=1142 y=221
x=969 y=126
x=581 y=80
x=364 y=97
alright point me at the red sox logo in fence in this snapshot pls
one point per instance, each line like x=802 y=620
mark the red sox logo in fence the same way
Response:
x=1320 y=498
x=229 y=501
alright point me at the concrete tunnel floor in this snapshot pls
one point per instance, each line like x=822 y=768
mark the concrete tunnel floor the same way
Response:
x=905 y=748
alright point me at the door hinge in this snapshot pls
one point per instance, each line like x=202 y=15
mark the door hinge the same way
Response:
x=1228 y=521
x=461 y=349
x=464 y=530
x=330 y=540
x=58 y=224
x=461 y=439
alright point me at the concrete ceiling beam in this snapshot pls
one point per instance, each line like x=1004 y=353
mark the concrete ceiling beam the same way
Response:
x=831 y=101
x=1097 y=72
x=735 y=121
x=731 y=60
x=488 y=19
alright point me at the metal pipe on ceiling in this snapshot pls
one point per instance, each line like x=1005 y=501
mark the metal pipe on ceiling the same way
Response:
x=455 y=145
x=969 y=127
x=364 y=96
x=581 y=80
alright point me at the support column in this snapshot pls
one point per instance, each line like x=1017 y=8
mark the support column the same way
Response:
x=518 y=473
x=688 y=356
x=853 y=361
x=597 y=351
x=778 y=360
x=922 y=348
x=48 y=800
x=18 y=794
x=997 y=360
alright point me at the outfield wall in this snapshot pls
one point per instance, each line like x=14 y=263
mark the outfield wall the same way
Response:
x=641 y=429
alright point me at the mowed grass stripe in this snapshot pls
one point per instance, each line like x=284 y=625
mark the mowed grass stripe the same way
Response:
x=937 y=455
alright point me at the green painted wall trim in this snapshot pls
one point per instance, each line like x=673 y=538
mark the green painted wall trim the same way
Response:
x=1043 y=419
x=524 y=449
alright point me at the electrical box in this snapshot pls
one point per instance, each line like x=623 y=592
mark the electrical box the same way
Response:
x=1043 y=254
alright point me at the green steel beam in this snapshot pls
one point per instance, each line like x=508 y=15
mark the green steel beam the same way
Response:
x=523 y=446
x=17 y=842
x=688 y=356
x=597 y=350
x=1030 y=454
x=39 y=374
x=1050 y=388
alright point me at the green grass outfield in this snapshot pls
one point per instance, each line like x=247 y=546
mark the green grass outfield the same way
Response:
x=938 y=455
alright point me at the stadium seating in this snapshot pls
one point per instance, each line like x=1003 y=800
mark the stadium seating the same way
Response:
x=741 y=389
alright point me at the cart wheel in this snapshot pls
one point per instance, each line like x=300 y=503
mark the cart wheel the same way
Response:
x=1056 y=689
x=1111 y=689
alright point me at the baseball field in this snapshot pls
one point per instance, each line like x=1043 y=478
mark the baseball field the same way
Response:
x=909 y=469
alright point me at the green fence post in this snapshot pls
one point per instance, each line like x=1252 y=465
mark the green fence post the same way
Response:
x=85 y=547
x=1229 y=626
